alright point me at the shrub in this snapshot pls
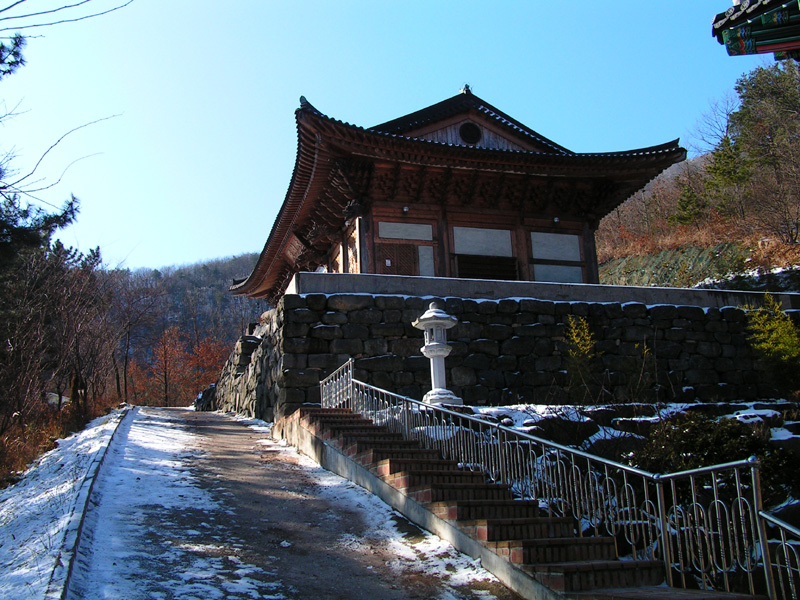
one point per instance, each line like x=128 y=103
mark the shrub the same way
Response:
x=581 y=357
x=775 y=339
x=690 y=441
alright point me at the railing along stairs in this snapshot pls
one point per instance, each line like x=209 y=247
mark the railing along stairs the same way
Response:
x=707 y=526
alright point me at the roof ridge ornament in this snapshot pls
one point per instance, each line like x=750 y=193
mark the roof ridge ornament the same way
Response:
x=466 y=89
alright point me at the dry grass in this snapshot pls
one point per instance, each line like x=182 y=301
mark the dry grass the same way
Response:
x=765 y=252
x=612 y=245
x=20 y=446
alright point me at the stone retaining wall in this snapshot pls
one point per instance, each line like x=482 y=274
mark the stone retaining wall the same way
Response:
x=505 y=351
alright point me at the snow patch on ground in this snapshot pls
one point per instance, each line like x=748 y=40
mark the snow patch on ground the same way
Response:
x=35 y=512
x=146 y=480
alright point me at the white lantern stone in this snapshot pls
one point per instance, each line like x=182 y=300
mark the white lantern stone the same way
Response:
x=435 y=322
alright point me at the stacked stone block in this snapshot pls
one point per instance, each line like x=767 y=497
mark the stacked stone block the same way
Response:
x=506 y=351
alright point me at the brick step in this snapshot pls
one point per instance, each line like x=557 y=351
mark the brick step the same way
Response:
x=403 y=480
x=372 y=456
x=581 y=576
x=345 y=427
x=457 y=492
x=495 y=530
x=657 y=593
x=331 y=420
x=544 y=547
x=555 y=550
x=319 y=428
x=391 y=466
x=358 y=446
x=485 y=509
x=351 y=445
x=328 y=412
x=318 y=420
x=361 y=434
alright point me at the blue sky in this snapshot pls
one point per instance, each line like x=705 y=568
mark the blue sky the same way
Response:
x=198 y=161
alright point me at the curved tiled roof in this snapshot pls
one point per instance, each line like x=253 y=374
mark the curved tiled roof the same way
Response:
x=323 y=140
x=382 y=136
x=459 y=104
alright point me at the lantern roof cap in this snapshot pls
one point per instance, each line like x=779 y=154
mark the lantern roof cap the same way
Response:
x=435 y=316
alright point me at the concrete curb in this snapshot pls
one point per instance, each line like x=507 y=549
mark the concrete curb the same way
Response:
x=62 y=570
x=331 y=459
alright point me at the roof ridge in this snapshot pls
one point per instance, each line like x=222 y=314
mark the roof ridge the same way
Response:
x=458 y=103
x=307 y=107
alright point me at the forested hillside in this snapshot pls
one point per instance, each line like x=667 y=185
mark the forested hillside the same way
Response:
x=733 y=209
x=176 y=325
x=80 y=339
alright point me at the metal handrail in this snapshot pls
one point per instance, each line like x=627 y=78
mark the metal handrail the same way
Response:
x=785 y=563
x=703 y=524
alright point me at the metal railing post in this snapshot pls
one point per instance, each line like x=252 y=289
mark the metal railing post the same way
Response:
x=763 y=539
x=666 y=545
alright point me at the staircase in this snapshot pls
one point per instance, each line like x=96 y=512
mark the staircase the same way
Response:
x=542 y=548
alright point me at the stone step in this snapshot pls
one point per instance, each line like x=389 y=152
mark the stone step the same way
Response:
x=372 y=456
x=581 y=576
x=484 y=509
x=403 y=480
x=390 y=466
x=495 y=530
x=457 y=492
x=555 y=550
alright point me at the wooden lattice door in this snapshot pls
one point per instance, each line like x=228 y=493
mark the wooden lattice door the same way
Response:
x=396 y=259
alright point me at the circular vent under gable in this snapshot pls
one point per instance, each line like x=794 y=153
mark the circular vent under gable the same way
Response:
x=470 y=133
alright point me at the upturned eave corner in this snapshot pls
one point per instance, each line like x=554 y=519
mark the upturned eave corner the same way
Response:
x=453 y=191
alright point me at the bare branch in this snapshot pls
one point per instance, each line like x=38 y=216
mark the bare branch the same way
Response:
x=714 y=124
x=83 y=18
x=19 y=181
x=46 y=12
x=30 y=191
x=9 y=7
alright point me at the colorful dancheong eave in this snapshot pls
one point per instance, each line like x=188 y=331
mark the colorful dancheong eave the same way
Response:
x=760 y=27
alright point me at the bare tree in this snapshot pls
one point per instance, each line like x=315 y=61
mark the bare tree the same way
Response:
x=714 y=125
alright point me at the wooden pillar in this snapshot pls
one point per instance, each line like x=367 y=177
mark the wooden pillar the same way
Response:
x=590 y=254
x=366 y=238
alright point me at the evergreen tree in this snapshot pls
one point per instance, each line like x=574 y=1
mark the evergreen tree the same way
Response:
x=728 y=174
x=766 y=130
x=690 y=206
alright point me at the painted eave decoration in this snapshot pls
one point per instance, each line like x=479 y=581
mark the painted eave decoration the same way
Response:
x=760 y=27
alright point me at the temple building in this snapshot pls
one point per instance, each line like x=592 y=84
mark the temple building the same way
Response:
x=760 y=27
x=458 y=189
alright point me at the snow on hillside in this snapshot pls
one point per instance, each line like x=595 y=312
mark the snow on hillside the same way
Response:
x=38 y=512
x=778 y=279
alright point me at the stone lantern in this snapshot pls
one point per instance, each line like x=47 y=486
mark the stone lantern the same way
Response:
x=435 y=322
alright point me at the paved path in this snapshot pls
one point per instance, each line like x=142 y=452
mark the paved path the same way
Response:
x=198 y=505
